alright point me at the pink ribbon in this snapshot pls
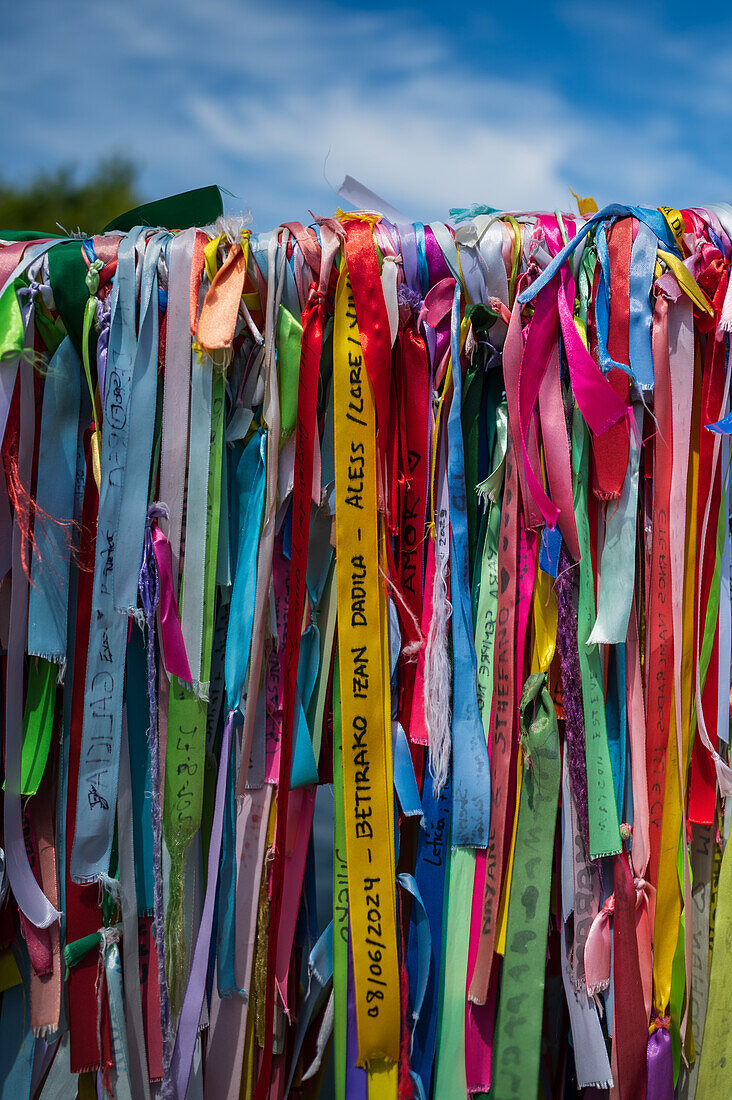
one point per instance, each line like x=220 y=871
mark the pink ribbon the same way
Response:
x=598 y=948
x=174 y=649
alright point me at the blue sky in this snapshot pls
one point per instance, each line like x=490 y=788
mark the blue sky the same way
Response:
x=430 y=105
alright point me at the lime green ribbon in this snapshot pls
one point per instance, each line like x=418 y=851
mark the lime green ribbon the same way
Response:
x=12 y=330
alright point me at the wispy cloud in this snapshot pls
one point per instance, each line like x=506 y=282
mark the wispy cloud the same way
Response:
x=275 y=100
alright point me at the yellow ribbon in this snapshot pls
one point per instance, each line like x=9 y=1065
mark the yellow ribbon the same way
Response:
x=366 y=739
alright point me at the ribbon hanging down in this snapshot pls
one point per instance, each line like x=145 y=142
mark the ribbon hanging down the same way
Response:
x=328 y=557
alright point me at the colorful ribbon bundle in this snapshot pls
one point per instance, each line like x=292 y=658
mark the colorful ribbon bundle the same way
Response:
x=365 y=611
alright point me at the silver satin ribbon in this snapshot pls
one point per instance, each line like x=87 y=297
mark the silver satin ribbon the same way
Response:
x=590 y=1054
x=177 y=388
x=616 y=580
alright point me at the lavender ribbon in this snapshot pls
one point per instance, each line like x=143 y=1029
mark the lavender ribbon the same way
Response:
x=190 y=1014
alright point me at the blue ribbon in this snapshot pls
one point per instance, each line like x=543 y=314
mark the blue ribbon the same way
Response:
x=654 y=219
x=429 y=876
x=471 y=771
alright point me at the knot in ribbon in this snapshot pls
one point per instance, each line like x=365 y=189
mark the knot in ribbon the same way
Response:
x=149 y=580
x=92 y=277
x=598 y=950
x=157 y=588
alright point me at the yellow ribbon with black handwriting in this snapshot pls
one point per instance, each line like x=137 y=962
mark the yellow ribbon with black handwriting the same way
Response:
x=367 y=797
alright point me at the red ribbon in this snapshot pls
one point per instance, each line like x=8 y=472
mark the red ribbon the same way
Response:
x=630 y=1022
x=373 y=325
x=83 y=913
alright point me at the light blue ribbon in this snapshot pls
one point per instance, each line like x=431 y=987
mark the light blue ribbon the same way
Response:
x=49 y=592
x=99 y=767
x=471 y=772
x=642 y=268
x=405 y=781
x=134 y=498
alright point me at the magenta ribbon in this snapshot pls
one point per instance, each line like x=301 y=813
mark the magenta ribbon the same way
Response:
x=174 y=648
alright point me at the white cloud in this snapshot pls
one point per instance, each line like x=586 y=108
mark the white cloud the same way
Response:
x=270 y=99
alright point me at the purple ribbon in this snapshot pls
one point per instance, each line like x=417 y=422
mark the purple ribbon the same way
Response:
x=356 y=1077
x=660 y=1067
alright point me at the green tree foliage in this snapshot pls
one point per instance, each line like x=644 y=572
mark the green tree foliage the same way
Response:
x=59 y=198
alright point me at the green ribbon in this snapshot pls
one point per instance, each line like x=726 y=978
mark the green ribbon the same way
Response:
x=12 y=330
x=37 y=722
x=202 y=206
x=716 y=1054
x=67 y=273
x=603 y=814
x=450 y=1080
x=287 y=341
x=520 y=1009
x=78 y=950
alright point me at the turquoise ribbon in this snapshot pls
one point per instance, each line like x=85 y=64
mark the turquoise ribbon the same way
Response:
x=138 y=721
x=248 y=494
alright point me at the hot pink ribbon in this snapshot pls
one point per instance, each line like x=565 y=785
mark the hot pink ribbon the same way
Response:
x=174 y=649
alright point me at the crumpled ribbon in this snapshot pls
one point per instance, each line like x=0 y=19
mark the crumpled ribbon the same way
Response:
x=174 y=647
x=598 y=948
